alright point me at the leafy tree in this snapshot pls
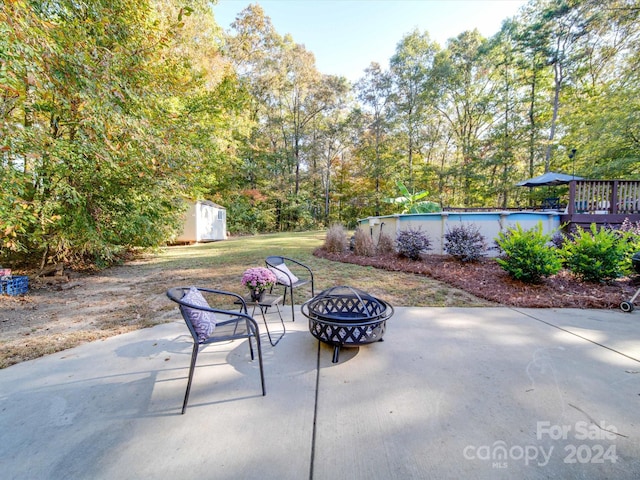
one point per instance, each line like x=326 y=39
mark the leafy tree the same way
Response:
x=564 y=25
x=529 y=43
x=374 y=91
x=99 y=133
x=113 y=112
x=331 y=141
x=601 y=108
x=290 y=95
x=466 y=97
x=410 y=67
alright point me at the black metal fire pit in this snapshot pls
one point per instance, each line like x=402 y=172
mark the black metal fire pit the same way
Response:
x=346 y=317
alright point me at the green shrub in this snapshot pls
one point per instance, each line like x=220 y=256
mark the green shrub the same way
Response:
x=630 y=232
x=247 y=212
x=527 y=255
x=336 y=240
x=363 y=243
x=595 y=255
x=411 y=243
x=465 y=243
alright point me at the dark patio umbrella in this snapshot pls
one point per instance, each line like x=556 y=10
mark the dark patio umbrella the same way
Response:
x=548 y=179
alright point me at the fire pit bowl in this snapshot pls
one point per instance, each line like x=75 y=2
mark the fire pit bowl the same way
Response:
x=346 y=317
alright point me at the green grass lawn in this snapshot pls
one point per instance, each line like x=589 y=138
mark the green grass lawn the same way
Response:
x=220 y=265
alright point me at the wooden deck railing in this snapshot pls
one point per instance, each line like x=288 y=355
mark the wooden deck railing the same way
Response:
x=602 y=202
x=614 y=197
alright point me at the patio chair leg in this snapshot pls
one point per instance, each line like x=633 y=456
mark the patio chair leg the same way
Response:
x=249 y=333
x=293 y=315
x=264 y=391
x=194 y=356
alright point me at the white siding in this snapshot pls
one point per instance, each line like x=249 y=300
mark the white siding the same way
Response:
x=204 y=222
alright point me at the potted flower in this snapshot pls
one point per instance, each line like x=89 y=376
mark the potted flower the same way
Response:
x=257 y=280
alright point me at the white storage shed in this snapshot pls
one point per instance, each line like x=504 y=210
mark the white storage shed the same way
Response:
x=204 y=221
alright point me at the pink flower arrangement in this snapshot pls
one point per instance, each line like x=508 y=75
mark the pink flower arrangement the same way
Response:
x=258 y=279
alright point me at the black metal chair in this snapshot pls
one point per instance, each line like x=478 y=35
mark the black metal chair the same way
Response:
x=551 y=203
x=211 y=325
x=290 y=280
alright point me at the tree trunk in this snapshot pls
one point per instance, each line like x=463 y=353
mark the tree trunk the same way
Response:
x=557 y=68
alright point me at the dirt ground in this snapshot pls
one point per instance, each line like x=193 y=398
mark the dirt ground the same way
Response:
x=61 y=312
x=64 y=311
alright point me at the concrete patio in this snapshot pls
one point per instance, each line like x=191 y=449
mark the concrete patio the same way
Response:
x=453 y=393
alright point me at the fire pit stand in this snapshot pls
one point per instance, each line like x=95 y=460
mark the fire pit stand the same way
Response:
x=346 y=317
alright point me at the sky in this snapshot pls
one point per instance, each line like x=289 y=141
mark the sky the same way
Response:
x=347 y=35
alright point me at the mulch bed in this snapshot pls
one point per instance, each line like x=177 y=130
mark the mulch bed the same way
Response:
x=487 y=280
